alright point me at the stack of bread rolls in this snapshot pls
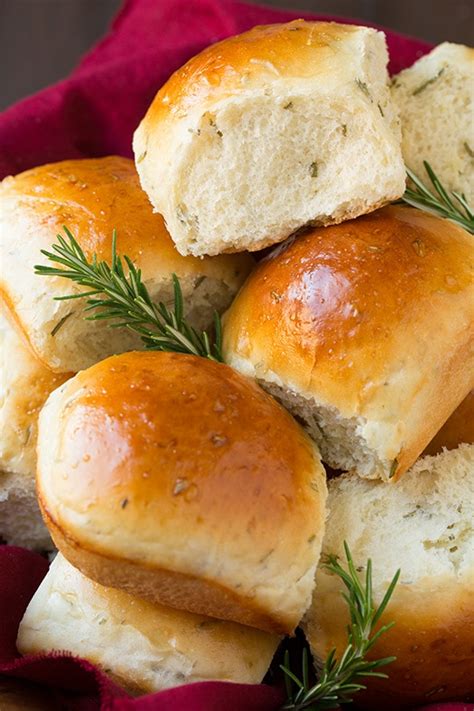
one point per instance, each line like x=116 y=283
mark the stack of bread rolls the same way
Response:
x=187 y=497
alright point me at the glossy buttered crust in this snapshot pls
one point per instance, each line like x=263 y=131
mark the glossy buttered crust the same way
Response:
x=145 y=647
x=296 y=50
x=92 y=197
x=179 y=480
x=422 y=525
x=373 y=317
x=264 y=71
x=432 y=640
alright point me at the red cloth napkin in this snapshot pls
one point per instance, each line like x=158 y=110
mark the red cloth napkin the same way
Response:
x=95 y=111
x=21 y=572
x=92 y=113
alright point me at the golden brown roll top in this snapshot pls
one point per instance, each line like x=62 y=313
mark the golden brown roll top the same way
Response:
x=176 y=479
x=365 y=331
x=145 y=647
x=92 y=198
x=422 y=525
x=265 y=131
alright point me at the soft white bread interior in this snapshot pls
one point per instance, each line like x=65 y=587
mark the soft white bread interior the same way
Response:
x=143 y=646
x=365 y=332
x=20 y=519
x=25 y=383
x=267 y=131
x=435 y=98
x=92 y=198
x=458 y=429
x=176 y=479
x=424 y=525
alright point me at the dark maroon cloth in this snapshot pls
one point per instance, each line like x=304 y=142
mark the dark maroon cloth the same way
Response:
x=95 y=110
x=82 y=687
x=21 y=572
x=94 y=113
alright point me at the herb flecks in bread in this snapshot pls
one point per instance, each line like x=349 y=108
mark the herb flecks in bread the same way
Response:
x=116 y=292
x=435 y=99
x=34 y=207
x=424 y=525
x=230 y=137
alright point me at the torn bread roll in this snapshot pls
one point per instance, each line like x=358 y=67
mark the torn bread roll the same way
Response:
x=435 y=98
x=458 y=429
x=423 y=525
x=269 y=130
x=176 y=479
x=92 y=198
x=365 y=332
x=24 y=387
x=143 y=646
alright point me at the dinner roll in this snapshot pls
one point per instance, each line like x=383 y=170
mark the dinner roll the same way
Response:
x=92 y=198
x=436 y=101
x=24 y=386
x=424 y=526
x=176 y=479
x=143 y=646
x=457 y=429
x=265 y=132
x=365 y=332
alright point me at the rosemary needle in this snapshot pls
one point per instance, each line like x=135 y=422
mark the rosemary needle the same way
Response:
x=340 y=678
x=117 y=293
x=439 y=201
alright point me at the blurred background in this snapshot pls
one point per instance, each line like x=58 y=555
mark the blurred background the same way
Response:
x=42 y=40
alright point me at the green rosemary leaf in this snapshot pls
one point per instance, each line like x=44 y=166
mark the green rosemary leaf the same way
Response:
x=292 y=676
x=340 y=679
x=462 y=199
x=60 y=323
x=438 y=201
x=393 y=469
x=427 y=83
x=116 y=293
x=386 y=598
x=287 y=677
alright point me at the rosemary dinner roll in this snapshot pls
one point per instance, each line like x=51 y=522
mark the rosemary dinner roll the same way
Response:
x=269 y=130
x=436 y=101
x=176 y=479
x=143 y=646
x=92 y=198
x=24 y=386
x=457 y=429
x=423 y=525
x=365 y=332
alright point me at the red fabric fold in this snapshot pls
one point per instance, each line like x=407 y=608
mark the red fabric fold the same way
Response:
x=94 y=113
x=82 y=687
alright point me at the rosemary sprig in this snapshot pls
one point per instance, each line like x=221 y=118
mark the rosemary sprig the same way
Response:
x=448 y=204
x=340 y=678
x=116 y=292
